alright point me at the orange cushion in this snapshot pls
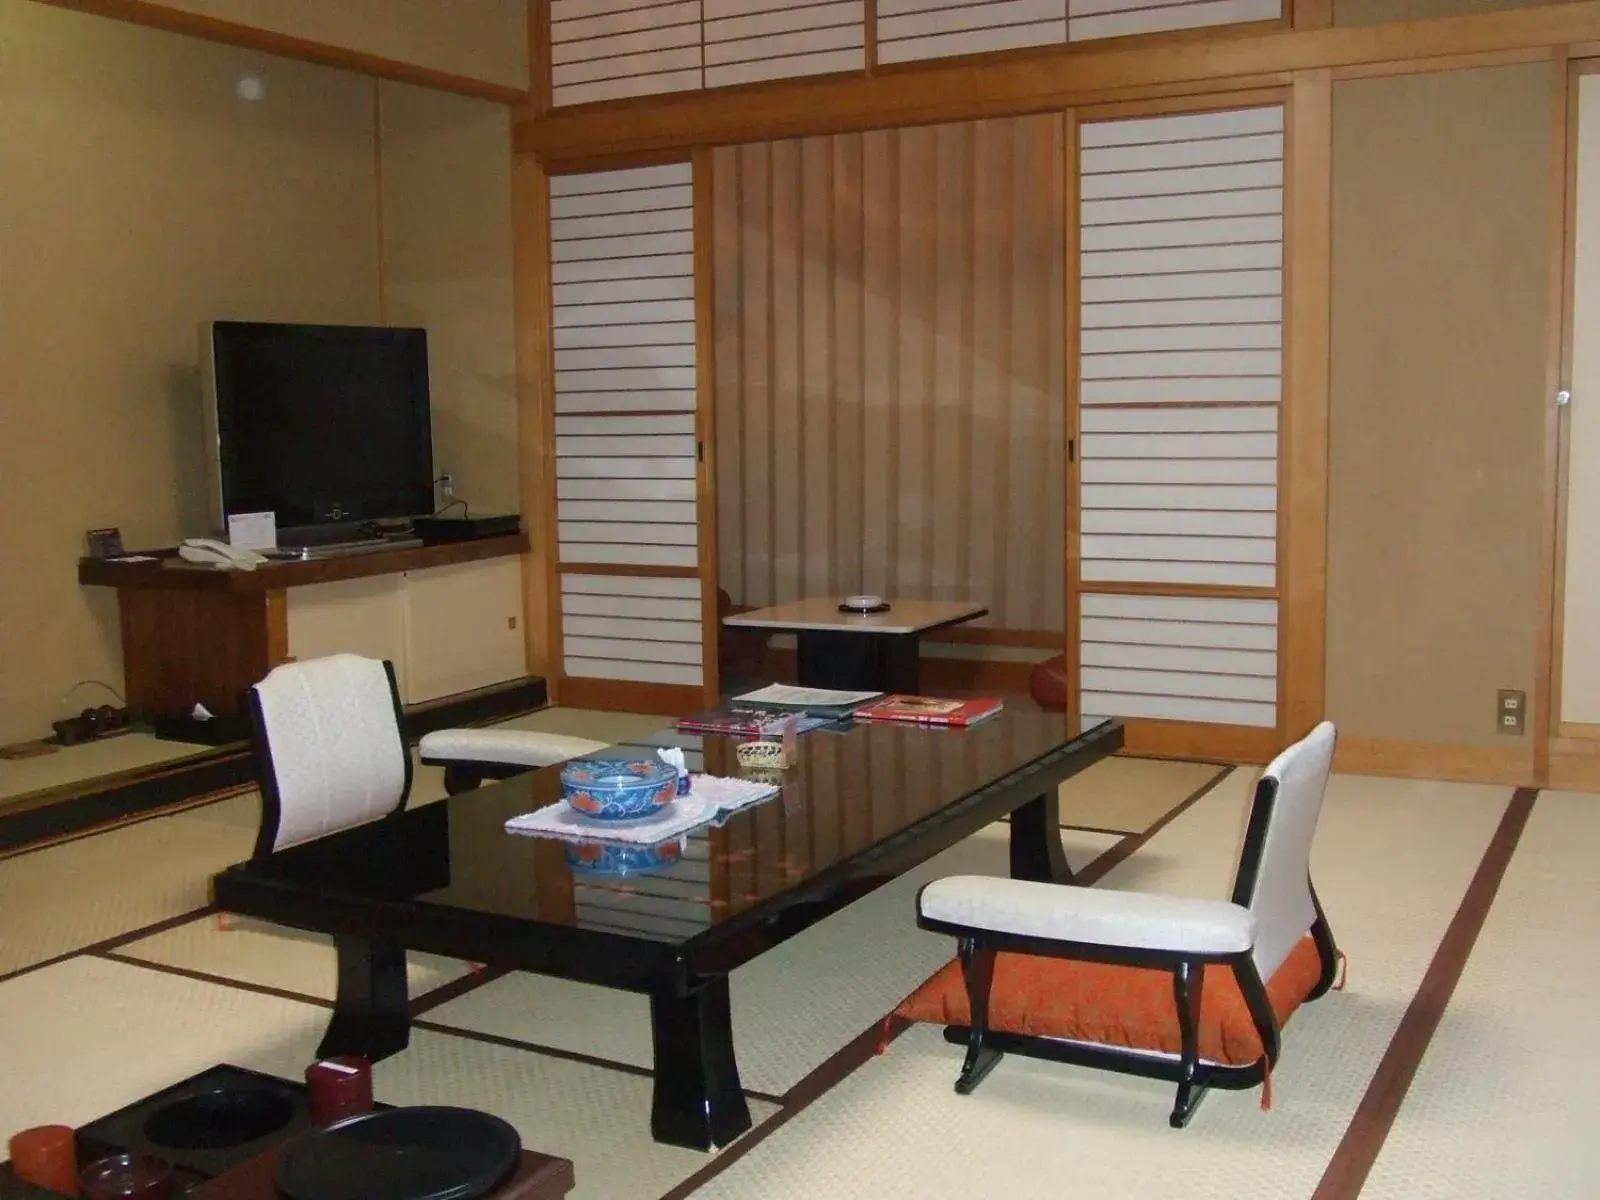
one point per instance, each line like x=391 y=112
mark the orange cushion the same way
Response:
x=1117 y=1006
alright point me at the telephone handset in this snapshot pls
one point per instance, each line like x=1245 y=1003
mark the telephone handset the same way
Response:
x=219 y=554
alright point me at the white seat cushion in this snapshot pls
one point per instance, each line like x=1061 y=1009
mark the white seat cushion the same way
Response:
x=517 y=747
x=1095 y=916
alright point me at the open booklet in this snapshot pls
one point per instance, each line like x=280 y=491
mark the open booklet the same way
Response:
x=819 y=701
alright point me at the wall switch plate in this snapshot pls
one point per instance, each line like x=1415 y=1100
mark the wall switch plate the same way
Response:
x=1511 y=711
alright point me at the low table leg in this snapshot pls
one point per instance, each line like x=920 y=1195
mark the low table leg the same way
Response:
x=371 y=1016
x=699 y=1101
x=1036 y=851
x=866 y=662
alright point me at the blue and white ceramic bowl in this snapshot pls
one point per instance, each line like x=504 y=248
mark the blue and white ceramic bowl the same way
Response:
x=597 y=858
x=617 y=789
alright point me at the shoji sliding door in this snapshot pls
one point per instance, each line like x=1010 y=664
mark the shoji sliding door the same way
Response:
x=1179 y=376
x=629 y=477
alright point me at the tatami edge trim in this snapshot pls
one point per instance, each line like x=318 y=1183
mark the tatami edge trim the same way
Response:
x=114 y=942
x=1358 y=1150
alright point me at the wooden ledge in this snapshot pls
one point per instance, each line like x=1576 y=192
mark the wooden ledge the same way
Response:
x=172 y=574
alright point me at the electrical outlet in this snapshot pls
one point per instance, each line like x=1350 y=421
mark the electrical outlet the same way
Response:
x=1511 y=710
x=447 y=489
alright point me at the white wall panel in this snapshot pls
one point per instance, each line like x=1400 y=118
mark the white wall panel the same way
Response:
x=1180 y=358
x=634 y=672
x=750 y=40
x=626 y=627
x=920 y=29
x=1190 y=285
x=1179 y=708
x=663 y=423
x=1234 y=419
x=635 y=628
x=680 y=265
x=1180 y=658
x=623 y=510
x=1123 y=18
x=625 y=447
x=1258 y=389
x=605 y=49
x=579 y=584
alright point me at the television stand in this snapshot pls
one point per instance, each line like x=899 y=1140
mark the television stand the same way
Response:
x=448 y=616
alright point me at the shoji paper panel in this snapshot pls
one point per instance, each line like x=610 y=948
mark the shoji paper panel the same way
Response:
x=747 y=40
x=603 y=49
x=1180 y=658
x=1181 y=347
x=890 y=367
x=1120 y=18
x=916 y=29
x=631 y=628
x=622 y=249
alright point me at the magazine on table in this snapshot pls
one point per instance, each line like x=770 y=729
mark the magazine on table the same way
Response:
x=930 y=710
x=821 y=702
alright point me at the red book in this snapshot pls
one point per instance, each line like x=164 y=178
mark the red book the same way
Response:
x=929 y=710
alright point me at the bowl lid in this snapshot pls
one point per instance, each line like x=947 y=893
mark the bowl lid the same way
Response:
x=423 y=1153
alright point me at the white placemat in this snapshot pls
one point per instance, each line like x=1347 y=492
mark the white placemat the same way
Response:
x=709 y=797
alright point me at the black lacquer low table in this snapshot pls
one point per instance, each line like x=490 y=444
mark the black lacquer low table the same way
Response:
x=860 y=808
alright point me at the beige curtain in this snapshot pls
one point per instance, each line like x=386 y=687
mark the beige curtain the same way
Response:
x=889 y=363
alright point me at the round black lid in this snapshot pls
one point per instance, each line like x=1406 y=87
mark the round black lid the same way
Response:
x=401 y=1154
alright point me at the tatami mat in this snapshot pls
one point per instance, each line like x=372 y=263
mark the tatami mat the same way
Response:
x=793 y=1007
x=272 y=956
x=90 y=760
x=1503 y=1102
x=1391 y=863
x=1128 y=795
x=65 y=897
x=89 y=1036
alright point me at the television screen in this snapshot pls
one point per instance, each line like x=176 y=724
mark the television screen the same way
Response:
x=321 y=424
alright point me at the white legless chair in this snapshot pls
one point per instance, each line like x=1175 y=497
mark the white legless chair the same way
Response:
x=330 y=749
x=1070 y=957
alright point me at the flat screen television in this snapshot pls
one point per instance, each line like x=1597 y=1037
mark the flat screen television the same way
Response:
x=324 y=426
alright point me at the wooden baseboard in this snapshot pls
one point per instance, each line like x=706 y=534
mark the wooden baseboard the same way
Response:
x=622 y=695
x=1183 y=739
x=1575 y=772
x=1510 y=764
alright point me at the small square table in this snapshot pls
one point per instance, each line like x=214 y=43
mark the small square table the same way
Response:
x=876 y=652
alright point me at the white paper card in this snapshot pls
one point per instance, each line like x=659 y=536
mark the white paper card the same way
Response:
x=253 y=531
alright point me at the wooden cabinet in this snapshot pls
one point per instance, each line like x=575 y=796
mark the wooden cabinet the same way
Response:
x=449 y=617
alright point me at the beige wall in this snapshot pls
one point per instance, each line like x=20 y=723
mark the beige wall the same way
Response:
x=890 y=367
x=1371 y=12
x=447 y=267
x=484 y=40
x=1440 y=258
x=141 y=198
